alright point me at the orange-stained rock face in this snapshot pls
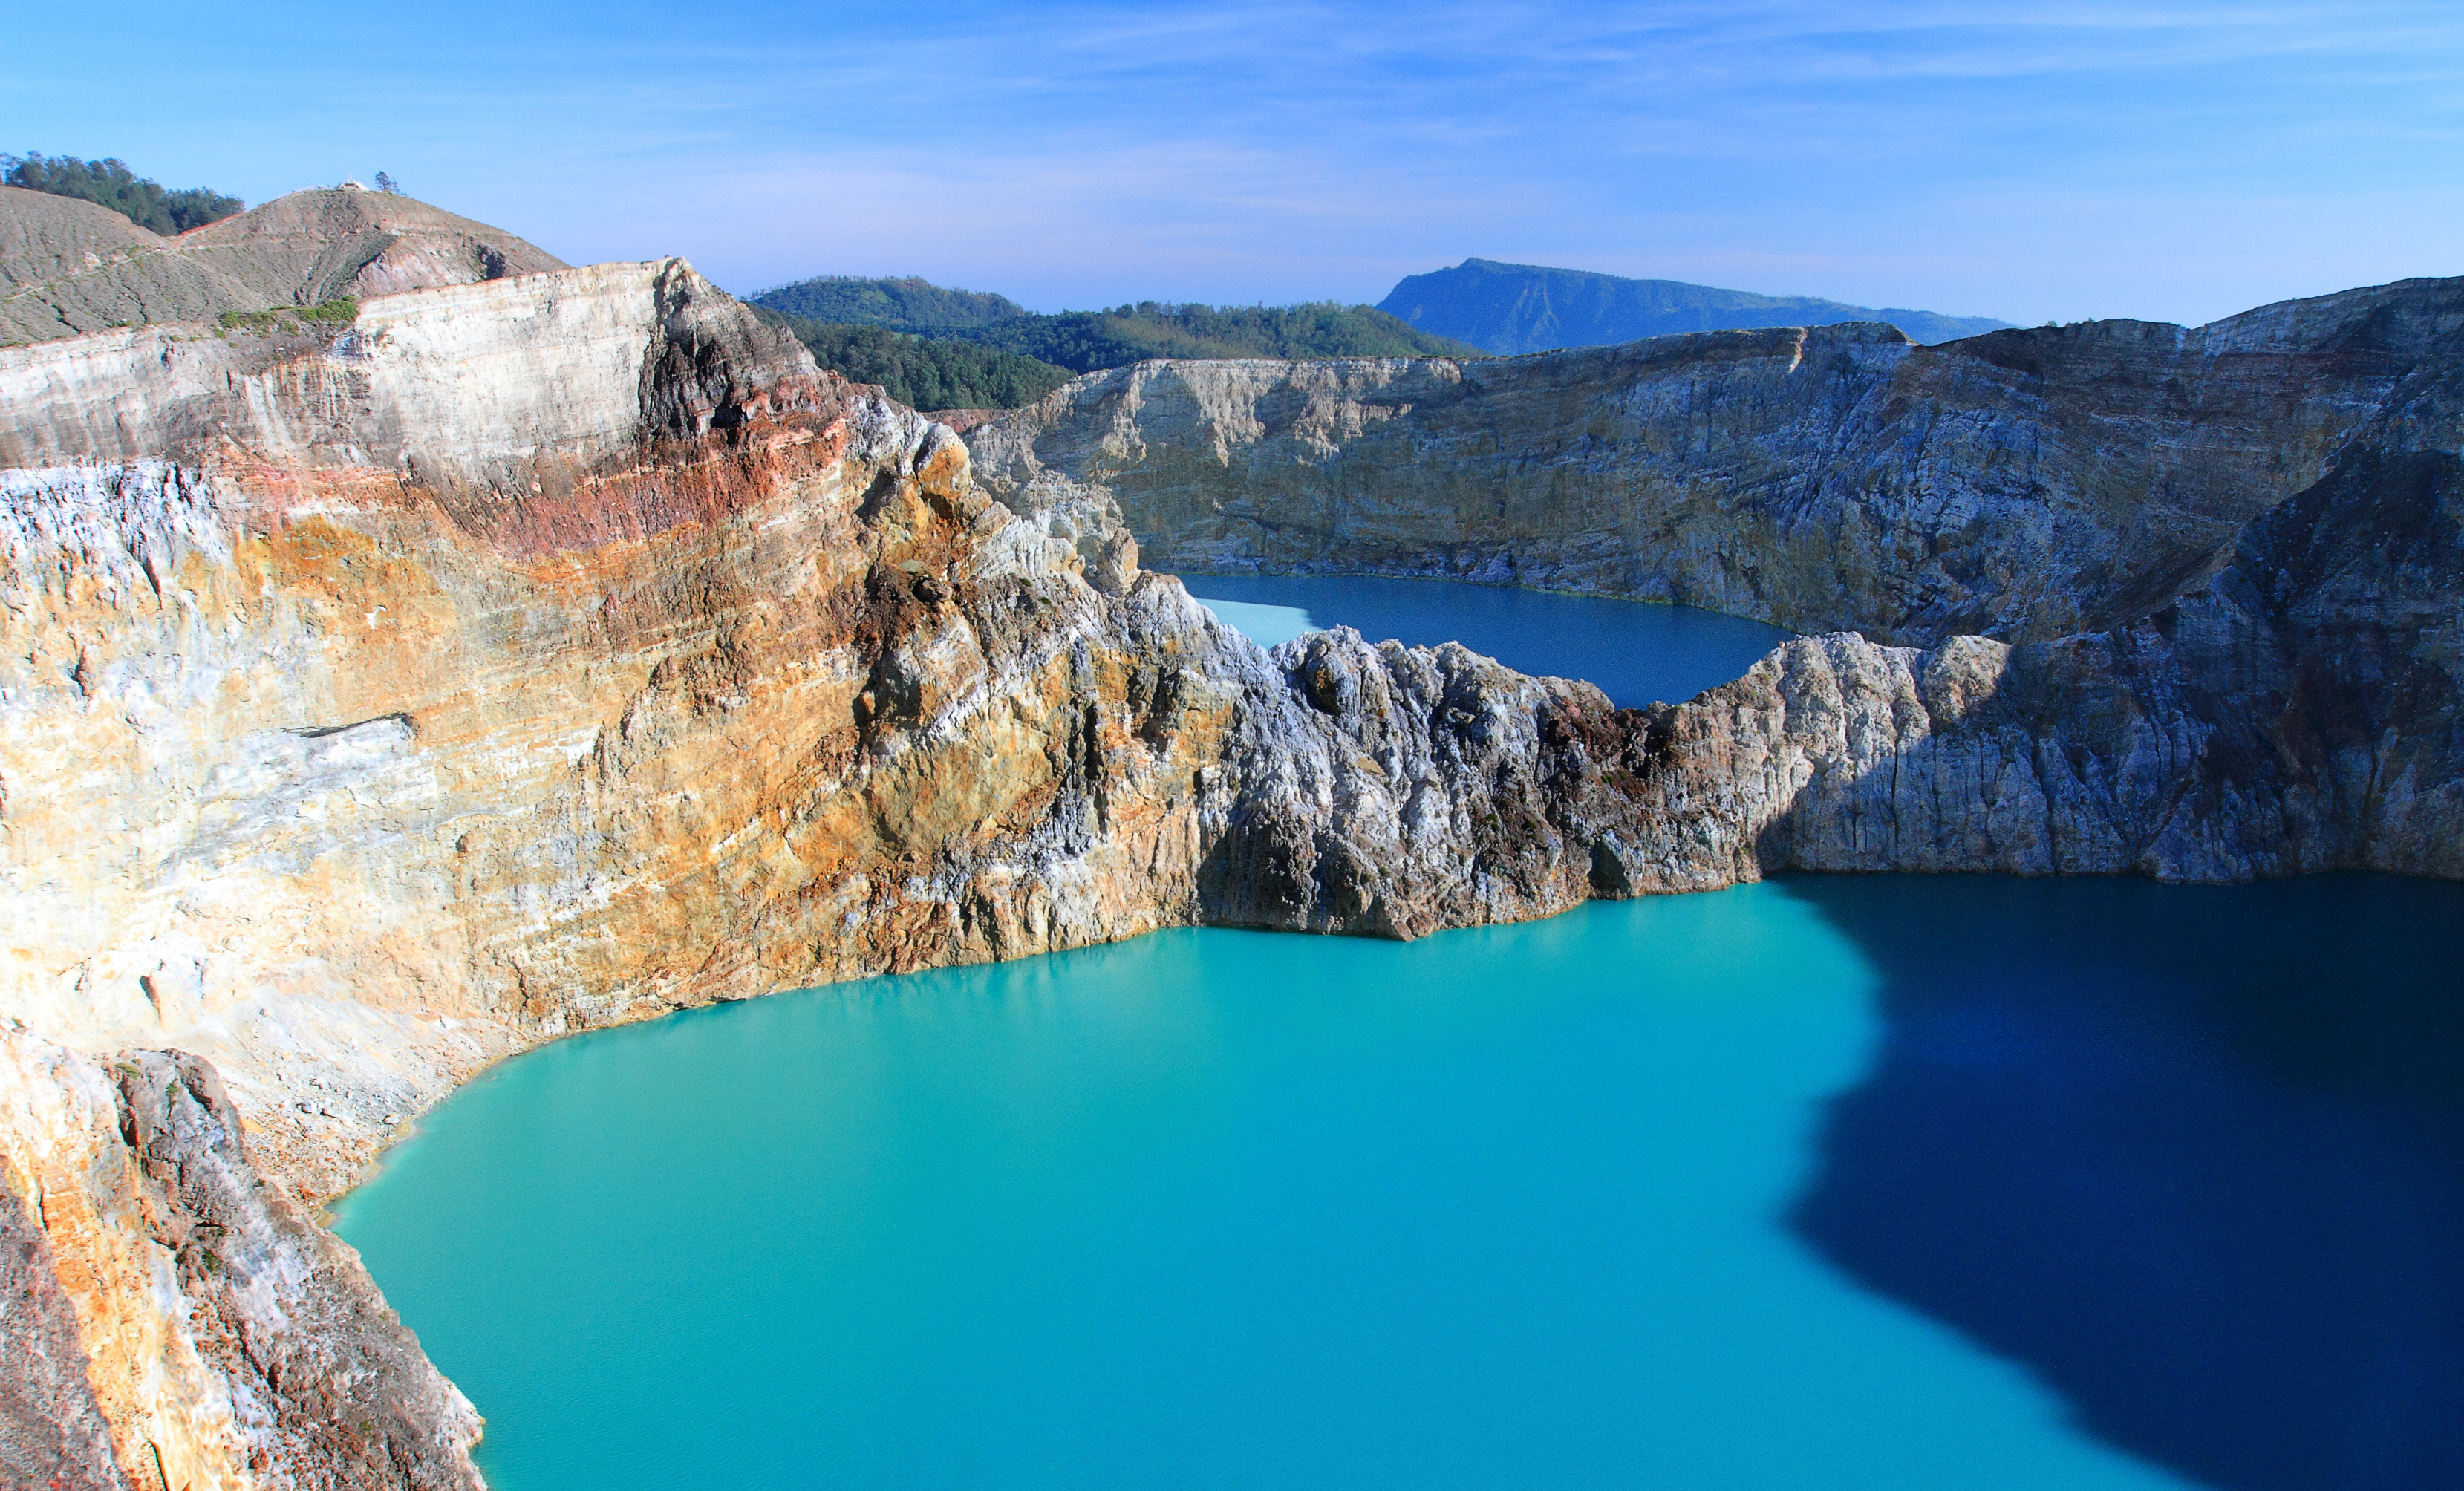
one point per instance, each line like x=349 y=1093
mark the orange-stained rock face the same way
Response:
x=174 y=1320
x=351 y=753
x=563 y=650
x=321 y=740
x=355 y=774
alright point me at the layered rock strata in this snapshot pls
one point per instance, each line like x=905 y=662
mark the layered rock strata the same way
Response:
x=2024 y=484
x=523 y=661
x=563 y=650
x=2291 y=706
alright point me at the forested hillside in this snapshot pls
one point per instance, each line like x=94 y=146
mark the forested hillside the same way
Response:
x=826 y=313
x=908 y=304
x=920 y=372
x=1087 y=340
x=147 y=204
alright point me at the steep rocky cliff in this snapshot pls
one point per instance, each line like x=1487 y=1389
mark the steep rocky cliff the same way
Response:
x=562 y=650
x=2024 y=484
x=175 y=1322
x=2229 y=558
x=2299 y=713
x=531 y=656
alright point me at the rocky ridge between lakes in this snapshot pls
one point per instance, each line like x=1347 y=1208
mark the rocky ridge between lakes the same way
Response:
x=558 y=651
x=2024 y=485
x=2191 y=593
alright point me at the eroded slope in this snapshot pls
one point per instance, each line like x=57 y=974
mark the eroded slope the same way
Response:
x=557 y=651
x=2024 y=485
x=69 y=267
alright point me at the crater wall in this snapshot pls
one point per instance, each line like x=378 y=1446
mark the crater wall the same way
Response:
x=566 y=649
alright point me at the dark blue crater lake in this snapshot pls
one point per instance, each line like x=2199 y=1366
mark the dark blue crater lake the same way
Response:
x=1637 y=653
x=1830 y=1182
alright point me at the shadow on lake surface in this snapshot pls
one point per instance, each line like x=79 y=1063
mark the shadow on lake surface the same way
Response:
x=2195 y=1155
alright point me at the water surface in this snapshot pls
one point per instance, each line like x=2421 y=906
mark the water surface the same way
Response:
x=1793 y=1185
x=1207 y=1209
x=1637 y=653
x=1897 y=1183
x=2195 y=1153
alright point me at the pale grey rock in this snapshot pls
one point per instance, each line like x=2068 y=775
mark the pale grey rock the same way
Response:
x=327 y=1387
x=2022 y=484
x=566 y=649
x=174 y=1320
x=482 y=391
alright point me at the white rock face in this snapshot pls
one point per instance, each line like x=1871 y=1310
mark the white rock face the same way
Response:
x=476 y=383
x=559 y=369
x=2023 y=485
x=566 y=650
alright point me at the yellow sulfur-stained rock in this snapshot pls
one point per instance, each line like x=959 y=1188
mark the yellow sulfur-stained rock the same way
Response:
x=564 y=650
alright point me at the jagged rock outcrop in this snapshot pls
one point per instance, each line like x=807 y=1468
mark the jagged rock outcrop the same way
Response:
x=174 y=1320
x=531 y=656
x=1397 y=791
x=2024 y=484
x=69 y=267
x=2299 y=713
x=2240 y=733
x=563 y=650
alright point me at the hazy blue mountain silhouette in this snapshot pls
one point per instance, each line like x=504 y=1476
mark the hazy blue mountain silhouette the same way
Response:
x=1513 y=308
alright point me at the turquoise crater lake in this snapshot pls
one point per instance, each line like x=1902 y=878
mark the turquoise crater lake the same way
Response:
x=1886 y=1182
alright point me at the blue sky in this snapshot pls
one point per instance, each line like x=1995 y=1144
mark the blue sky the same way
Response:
x=2032 y=162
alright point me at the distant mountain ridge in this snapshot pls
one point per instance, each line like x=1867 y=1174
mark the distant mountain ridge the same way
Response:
x=1509 y=309
x=822 y=312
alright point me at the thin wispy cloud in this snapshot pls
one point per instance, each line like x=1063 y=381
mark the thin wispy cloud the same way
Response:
x=2039 y=161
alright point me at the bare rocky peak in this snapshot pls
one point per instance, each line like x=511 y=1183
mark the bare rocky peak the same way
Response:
x=70 y=267
x=314 y=245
